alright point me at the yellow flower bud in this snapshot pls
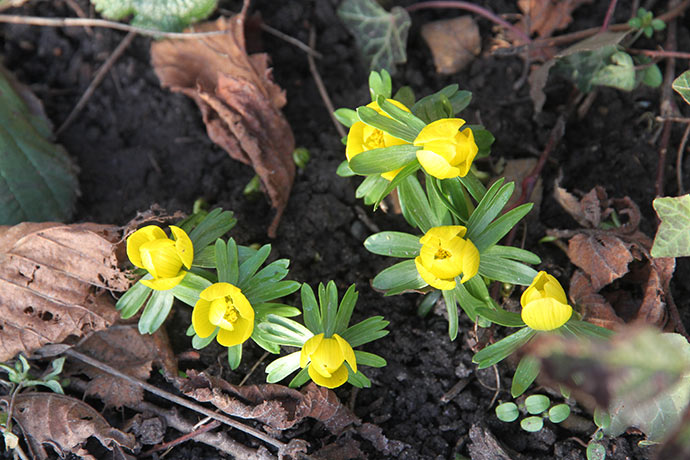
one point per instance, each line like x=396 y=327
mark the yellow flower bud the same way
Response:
x=149 y=248
x=223 y=306
x=444 y=255
x=326 y=358
x=544 y=304
x=363 y=137
x=446 y=151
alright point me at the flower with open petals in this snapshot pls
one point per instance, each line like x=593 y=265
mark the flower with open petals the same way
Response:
x=150 y=248
x=363 y=137
x=544 y=304
x=444 y=255
x=223 y=306
x=446 y=151
x=326 y=358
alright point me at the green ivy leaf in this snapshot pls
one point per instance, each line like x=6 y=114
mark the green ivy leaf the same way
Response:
x=682 y=85
x=673 y=236
x=38 y=180
x=380 y=36
x=165 y=15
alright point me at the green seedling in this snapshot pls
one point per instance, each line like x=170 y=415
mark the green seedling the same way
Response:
x=538 y=407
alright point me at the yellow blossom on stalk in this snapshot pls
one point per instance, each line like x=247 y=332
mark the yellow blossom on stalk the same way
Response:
x=544 y=304
x=446 y=151
x=223 y=306
x=150 y=248
x=363 y=137
x=326 y=358
x=444 y=255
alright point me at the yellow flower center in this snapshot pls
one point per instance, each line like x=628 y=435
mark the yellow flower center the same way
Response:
x=223 y=313
x=441 y=254
x=374 y=140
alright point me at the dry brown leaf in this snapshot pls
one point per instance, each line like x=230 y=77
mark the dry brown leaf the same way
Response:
x=544 y=17
x=64 y=423
x=603 y=256
x=50 y=278
x=277 y=406
x=128 y=351
x=593 y=306
x=454 y=43
x=239 y=102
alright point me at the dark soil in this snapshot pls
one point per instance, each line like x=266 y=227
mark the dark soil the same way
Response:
x=137 y=145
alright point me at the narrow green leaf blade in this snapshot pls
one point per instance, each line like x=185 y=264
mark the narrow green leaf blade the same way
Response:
x=503 y=348
x=393 y=244
x=399 y=278
x=526 y=372
x=155 y=312
x=415 y=205
x=382 y=160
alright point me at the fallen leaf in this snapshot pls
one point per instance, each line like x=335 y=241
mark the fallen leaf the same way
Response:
x=593 y=306
x=128 y=351
x=454 y=43
x=64 y=423
x=673 y=236
x=54 y=280
x=277 y=406
x=239 y=102
x=544 y=17
x=603 y=256
x=516 y=170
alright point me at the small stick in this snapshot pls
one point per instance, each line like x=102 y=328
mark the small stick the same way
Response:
x=77 y=9
x=181 y=439
x=102 y=72
x=661 y=53
x=251 y=371
x=674 y=119
x=84 y=22
x=679 y=160
x=177 y=399
x=609 y=15
x=322 y=88
x=291 y=40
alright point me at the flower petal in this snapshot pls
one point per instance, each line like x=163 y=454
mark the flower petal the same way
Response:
x=445 y=232
x=554 y=289
x=202 y=326
x=243 y=306
x=308 y=348
x=328 y=356
x=160 y=258
x=470 y=261
x=355 y=140
x=546 y=314
x=217 y=311
x=184 y=246
x=435 y=165
x=242 y=331
x=141 y=236
x=218 y=290
x=445 y=128
x=163 y=284
x=347 y=351
x=431 y=279
x=336 y=379
x=390 y=175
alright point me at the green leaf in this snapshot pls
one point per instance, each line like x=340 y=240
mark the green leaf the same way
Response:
x=559 y=413
x=270 y=274
x=450 y=300
x=285 y=331
x=38 y=179
x=503 y=348
x=396 y=129
x=507 y=412
x=312 y=313
x=216 y=224
x=652 y=76
x=397 y=180
x=527 y=370
x=488 y=208
x=584 y=329
x=501 y=317
x=445 y=103
x=249 y=267
x=234 y=356
x=358 y=379
x=347 y=117
x=460 y=213
x=673 y=236
x=405 y=96
x=483 y=138
x=415 y=206
x=198 y=343
x=380 y=84
x=619 y=74
x=532 y=424
x=227 y=261
x=347 y=306
x=300 y=379
x=282 y=367
x=263 y=309
x=164 y=15
x=505 y=270
x=328 y=300
x=382 y=160
x=344 y=169
x=265 y=341
x=393 y=244
x=156 y=311
x=500 y=227
x=596 y=451
x=398 y=114
x=366 y=331
x=513 y=253
x=131 y=301
x=189 y=288
x=399 y=278
x=380 y=36
x=472 y=185
x=271 y=291
x=467 y=300
x=536 y=404
x=369 y=359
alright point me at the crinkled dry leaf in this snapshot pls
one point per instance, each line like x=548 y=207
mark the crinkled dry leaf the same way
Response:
x=128 y=351
x=239 y=102
x=454 y=43
x=593 y=306
x=65 y=423
x=50 y=278
x=544 y=17
x=603 y=256
x=275 y=405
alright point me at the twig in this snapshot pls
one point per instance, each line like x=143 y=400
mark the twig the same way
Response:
x=102 y=72
x=661 y=53
x=77 y=9
x=251 y=371
x=473 y=8
x=609 y=15
x=84 y=22
x=319 y=84
x=674 y=119
x=181 y=439
x=177 y=399
x=291 y=40
x=498 y=385
x=679 y=160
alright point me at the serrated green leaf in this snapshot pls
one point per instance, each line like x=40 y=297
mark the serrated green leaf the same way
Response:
x=164 y=15
x=525 y=373
x=393 y=244
x=380 y=36
x=673 y=236
x=382 y=160
x=38 y=179
x=398 y=278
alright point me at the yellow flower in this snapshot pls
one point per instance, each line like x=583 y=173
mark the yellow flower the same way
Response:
x=363 y=137
x=544 y=304
x=446 y=152
x=444 y=255
x=163 y=258
x=224 y=306
x=326 y=359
